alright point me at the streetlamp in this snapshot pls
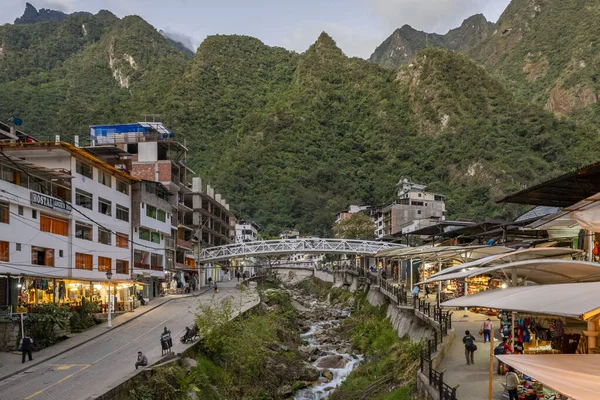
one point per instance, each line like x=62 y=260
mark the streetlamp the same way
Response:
x=109 y=276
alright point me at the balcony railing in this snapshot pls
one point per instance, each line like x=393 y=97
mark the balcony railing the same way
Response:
x=157 y=268
x=169 y=243
x=185 y=244
x=141 y=266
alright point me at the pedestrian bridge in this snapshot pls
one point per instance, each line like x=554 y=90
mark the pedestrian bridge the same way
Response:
x=294 y=246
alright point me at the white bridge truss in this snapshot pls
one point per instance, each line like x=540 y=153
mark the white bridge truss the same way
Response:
x=293 y=246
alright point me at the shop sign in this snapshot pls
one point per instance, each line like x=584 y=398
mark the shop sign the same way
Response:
x=50 y=202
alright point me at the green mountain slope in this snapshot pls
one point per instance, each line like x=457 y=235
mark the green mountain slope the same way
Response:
x=548 y=51
x=402 y=45
x=289 y=138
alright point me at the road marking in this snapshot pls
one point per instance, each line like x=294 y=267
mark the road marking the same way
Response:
x=58 y=382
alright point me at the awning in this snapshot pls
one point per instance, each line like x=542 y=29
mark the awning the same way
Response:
x=576 y=300
x=510 y=257
x=574 y=375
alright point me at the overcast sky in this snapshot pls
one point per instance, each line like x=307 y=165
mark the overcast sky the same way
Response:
x=357 y=26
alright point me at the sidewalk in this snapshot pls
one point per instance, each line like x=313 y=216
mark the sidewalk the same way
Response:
x=10 y=363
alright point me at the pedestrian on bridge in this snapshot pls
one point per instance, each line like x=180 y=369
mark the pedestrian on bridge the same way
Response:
x=237 y=275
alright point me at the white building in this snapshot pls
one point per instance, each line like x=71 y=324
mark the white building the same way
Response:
x=246 y=231
x=67 y=217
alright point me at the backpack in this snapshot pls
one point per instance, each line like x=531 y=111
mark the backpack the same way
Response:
x=469 y=345
x=499 y=350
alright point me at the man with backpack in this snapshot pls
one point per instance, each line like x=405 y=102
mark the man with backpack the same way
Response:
x=26 y=346
x=502 y=348
x=470 y=347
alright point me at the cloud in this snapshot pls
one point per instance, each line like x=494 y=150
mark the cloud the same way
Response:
x=354 y=42
x=66 y=6
x=184 y=39
x=433 y=15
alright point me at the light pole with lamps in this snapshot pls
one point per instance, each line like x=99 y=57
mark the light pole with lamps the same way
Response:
x=109 y=276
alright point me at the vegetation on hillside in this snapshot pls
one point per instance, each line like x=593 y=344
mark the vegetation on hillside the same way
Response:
x=290 y=139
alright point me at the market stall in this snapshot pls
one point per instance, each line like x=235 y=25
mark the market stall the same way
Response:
x=562 y=376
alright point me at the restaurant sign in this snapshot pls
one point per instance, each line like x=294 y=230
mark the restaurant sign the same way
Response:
x=50 y=202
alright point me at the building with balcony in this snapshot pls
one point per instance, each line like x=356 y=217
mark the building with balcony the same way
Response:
x=64 y=223
x=246 y=231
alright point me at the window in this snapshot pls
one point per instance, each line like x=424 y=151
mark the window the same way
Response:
x=60 y=253
x=122 y=213
x=4 y=251
x=144 y=234
x=83 y=261
x=104 y=178
x=155 y=237
x=104 y=236
x=20 y=210
x=104 y=264
x=4 y=213
x=122 y=267
x=83 y=199
x=42 y=256
x=161 y=215
x=83 y=231
x=104 y=206
x=122 y=240
x=156 y=261
x=34 y=214
x=54 y=225
x=417 y=203
x=18 y=246
x=151 y=211
x=418 y=211
x=84 y=169
x=122 y=187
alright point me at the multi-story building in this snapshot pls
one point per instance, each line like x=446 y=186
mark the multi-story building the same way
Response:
x=246 y=231
x=347 y=213
x=64 y=223
x=413 y=203
x=198 y=216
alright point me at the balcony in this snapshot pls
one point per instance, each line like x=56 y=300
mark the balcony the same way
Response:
x=185 y=244
x=169 y=243
x=157 y=268
x=141 y=266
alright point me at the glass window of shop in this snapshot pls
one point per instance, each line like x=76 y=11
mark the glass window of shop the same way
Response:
x=83 y=261
x=122 y=267
x=104 y=236
x=34 y=291
x=4 y=212
x=42 y=256
x=83 y=231
x=122 y=240
x=4 y=251
x=54 y=225
x=104 y=264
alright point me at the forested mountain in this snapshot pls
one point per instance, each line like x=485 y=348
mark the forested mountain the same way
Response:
x=402 y=45
x=290 y=138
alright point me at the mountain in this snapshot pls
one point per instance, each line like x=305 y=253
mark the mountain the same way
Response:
x=290 y=138
x=32 y=15
x=548 y=52
x=404 y=43
x=185 y=48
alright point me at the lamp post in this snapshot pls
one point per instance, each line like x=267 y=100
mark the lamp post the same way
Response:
x=109 y=276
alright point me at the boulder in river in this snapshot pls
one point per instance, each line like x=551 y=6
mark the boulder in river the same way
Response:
x=327 y=374
x=308 y=372
x=333 y=361
x=285 y=391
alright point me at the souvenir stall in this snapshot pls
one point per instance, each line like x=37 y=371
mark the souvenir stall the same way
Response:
x=556 y=377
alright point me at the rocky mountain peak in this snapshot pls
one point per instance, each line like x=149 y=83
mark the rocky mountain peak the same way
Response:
x=31 y=15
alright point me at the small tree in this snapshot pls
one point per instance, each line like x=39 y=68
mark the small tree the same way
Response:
x=358 y=226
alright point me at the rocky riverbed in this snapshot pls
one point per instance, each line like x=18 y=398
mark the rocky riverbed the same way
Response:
x=331 y=355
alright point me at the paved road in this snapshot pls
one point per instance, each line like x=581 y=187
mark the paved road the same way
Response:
x=104 y=362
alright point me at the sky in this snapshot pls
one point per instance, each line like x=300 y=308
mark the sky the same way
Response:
x=358 y=26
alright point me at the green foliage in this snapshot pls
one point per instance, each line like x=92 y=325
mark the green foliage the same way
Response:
x=84 y=317
x=390 y=363
x=357 y=226
x=142 y=392
x=42 y=325
x=291 y=139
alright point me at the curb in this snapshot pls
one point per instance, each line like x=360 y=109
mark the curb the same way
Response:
x=42 y=360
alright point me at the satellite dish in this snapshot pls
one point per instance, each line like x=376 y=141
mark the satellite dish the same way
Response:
x=17 y=121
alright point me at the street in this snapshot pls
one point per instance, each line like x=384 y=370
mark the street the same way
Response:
x=106 y=361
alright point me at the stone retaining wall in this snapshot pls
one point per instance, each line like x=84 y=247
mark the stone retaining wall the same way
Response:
x=9 y=335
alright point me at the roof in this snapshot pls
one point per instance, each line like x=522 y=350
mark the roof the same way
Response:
x=561 y=191
x=507 y=257
x=576 y=376
x=543 y=272
x=576 y=300
x=440 y=228
x=34 y=169
x=75 y=151
x=443 y=252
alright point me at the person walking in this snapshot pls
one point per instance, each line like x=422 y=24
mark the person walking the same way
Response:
x=142 y=361
x=502 y=348
x=512 y=383
x=426 y=291
x=26 y=348
x=237 y=275
x=487 y=330
x=470 y=347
